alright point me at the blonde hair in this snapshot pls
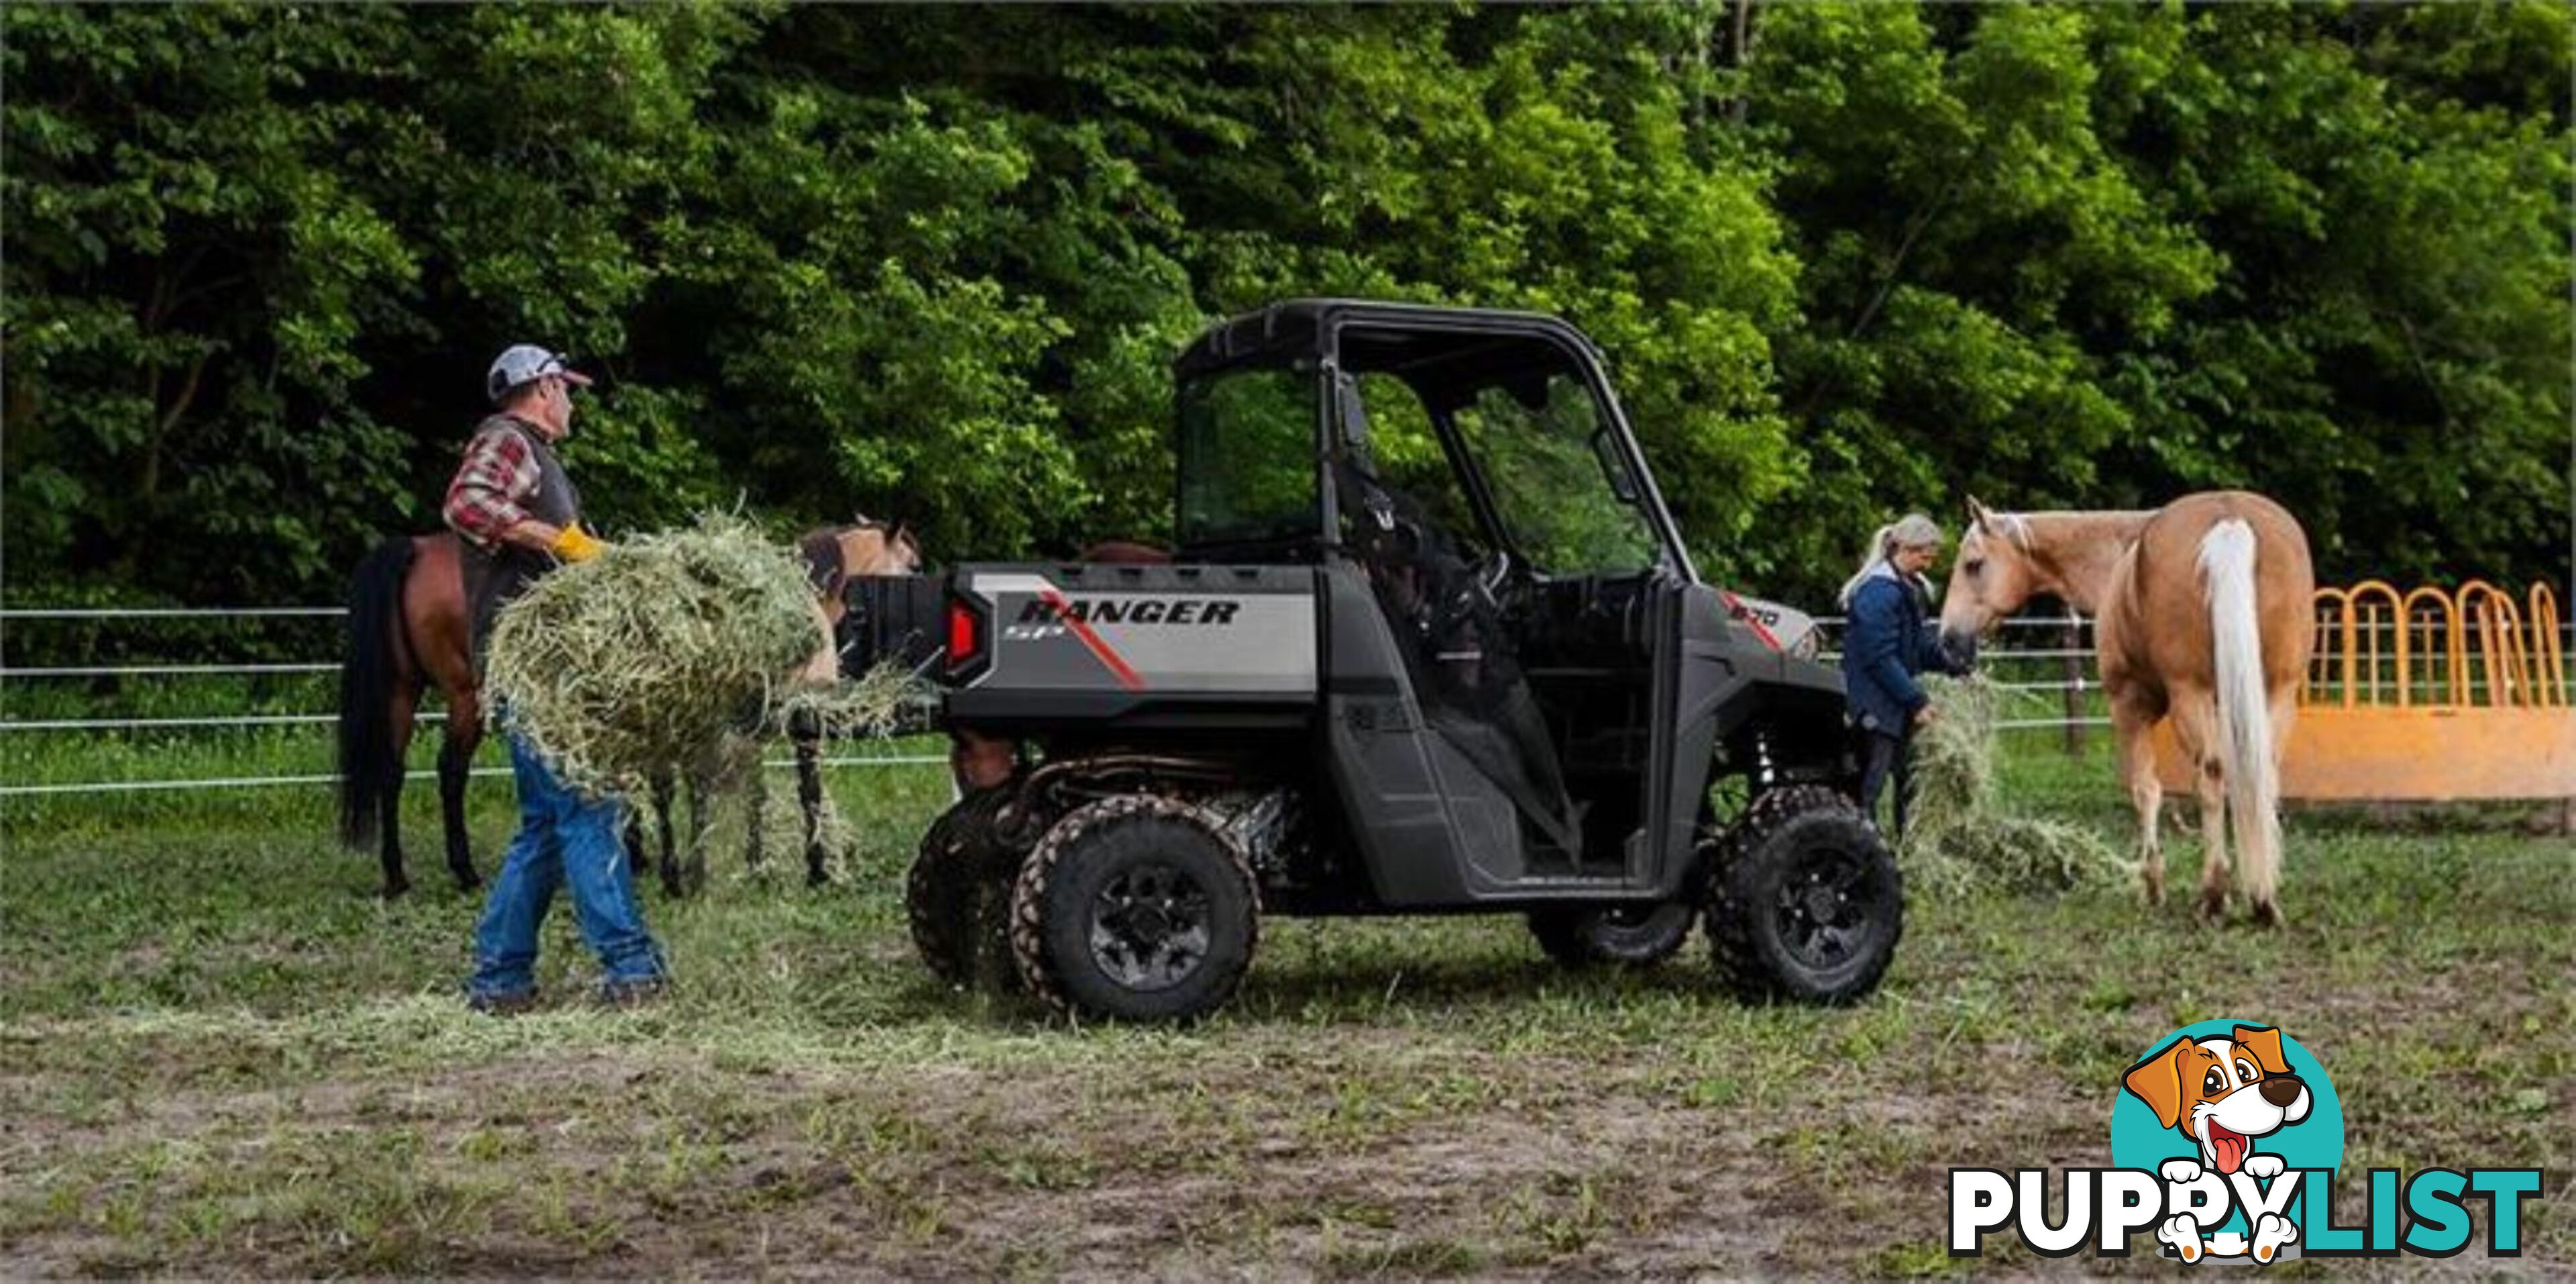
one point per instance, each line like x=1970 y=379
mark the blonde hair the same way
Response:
x=1914 y=530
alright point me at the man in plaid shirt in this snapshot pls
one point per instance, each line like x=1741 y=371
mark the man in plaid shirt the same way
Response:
x=512 y=501
x=487 y=501
x=521 y=517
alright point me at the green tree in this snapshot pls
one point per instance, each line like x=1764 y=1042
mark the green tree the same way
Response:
x=258 y=255
x=934 y=262
x=2387 y=351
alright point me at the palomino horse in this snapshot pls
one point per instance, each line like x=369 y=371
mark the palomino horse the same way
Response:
x=2202 y=613
x=407 y=630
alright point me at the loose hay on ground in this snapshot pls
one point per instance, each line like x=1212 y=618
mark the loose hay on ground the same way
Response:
x=1958 y=834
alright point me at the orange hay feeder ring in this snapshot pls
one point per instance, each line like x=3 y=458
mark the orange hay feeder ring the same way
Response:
x=2427 y=696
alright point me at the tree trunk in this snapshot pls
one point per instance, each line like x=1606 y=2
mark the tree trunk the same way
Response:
x=1742 y=49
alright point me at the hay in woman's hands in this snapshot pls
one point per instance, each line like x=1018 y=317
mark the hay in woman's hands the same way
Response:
x=1953 y=769
x=642 y=660
x=1958 y=837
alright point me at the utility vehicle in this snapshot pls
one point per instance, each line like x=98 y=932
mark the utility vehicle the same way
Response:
x=1428 y=642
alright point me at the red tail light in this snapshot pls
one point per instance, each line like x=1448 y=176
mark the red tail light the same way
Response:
x=965 y=634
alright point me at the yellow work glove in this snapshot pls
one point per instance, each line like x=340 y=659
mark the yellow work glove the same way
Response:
x=573 y=544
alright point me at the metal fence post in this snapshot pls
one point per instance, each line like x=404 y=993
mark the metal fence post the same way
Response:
x=2073 y=645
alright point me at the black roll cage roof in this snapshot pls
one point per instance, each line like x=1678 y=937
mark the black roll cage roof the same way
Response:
x=1444 y=354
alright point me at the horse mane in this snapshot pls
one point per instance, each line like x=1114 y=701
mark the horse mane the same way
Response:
x=2014 y=528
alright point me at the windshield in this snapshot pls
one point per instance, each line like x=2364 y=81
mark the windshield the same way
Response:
x=1247 y=456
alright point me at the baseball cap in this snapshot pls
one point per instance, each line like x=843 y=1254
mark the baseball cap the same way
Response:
x=524 y=362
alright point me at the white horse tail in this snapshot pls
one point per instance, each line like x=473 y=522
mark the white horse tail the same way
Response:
x=2244 y=706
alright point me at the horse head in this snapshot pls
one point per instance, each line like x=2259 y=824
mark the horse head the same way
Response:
x=1993 y=576
x=880 y=548
x=832 y=555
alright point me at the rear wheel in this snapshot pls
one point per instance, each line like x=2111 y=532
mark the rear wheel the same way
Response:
x=1137 y=909
x=1805 y=901
x=1622 y=935
x=956 y=897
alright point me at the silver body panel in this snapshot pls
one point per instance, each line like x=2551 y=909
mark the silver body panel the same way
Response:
x=1147 y=630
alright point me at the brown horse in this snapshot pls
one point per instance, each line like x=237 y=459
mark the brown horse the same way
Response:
x=407 y=630
x=2201 y=613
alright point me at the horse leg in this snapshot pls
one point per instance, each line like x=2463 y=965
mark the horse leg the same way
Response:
x=693 y=870
x=809 y=796
x=755 y=805
x=638 y=845
x=638 y=859
x=663 y=801
x=2195 y=718
x=455 y=767
x=402 y=709
x=2262 y=868
x=2134 y=725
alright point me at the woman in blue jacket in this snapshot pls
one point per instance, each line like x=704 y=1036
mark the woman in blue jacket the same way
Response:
x=1887 y=642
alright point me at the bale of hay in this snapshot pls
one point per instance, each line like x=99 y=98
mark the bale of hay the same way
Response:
x=665 y=655
x=1959 y=837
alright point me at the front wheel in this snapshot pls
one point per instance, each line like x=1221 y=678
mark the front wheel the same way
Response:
x=1621 y=935
x=1137 y=909
x=1805 y=901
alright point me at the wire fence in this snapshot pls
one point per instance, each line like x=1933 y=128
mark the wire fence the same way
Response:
x=15 y=725
x=2066 y=693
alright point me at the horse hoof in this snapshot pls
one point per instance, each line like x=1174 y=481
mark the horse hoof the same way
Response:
x=2213 y=907
x=2267 y=914
x=394 y=891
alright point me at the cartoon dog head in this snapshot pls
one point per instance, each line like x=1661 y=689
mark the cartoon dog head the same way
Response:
x=2222 y=1093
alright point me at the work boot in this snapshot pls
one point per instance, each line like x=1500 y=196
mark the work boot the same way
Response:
x=506 y=1004
x=636 y=993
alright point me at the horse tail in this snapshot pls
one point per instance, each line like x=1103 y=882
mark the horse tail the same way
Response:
x=2244 y=705
x=367 y=680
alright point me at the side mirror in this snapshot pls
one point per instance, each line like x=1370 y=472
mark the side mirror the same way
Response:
x=1613 y=467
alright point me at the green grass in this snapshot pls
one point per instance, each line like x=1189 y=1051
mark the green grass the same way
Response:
x=219 y=1053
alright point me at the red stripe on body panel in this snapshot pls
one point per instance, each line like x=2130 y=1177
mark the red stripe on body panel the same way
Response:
x=1735 y=608
x=1063 y=608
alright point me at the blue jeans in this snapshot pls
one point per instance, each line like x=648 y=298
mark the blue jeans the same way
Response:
x=564 y=840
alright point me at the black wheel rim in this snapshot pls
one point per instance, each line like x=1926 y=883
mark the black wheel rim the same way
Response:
x=1150 y=926
x=1823 y=909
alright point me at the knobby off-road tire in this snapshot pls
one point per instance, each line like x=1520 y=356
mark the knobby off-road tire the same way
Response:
x=956 y=898
x=1137 y=909
x=1805 y=902
x=1623 y=936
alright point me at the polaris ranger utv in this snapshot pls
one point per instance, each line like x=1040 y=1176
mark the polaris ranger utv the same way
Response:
x=1429 y=643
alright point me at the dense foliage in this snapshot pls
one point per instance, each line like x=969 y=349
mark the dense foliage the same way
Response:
x=934 y=261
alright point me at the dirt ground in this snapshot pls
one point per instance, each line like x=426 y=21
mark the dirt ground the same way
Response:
x=202 y=1074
